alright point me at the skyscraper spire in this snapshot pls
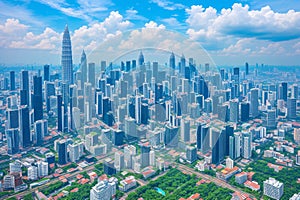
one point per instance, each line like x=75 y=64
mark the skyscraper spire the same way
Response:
x=141 y=59
x=66 y=58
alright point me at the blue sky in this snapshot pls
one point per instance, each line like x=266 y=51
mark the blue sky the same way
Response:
x=232 y=32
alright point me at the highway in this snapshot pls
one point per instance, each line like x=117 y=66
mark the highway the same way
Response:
x=217 y=181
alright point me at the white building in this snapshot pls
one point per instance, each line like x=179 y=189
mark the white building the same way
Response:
x=15 y=167
x=76 y=151
x=129 y=152
x=273 y=188
x=32 y=173
x=104 y=190
x=119 y=161
x=229 y=163
x=152 y=157
x=128 y=183
x=42 y=168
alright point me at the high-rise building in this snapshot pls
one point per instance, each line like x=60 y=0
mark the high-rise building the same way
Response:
x=172 y=61
x=32 y=173
x=191 y=154
x=247 y=68
x=297 y=135
x=15 y=167
x=46 y=72
x=145 y=157
x=12 y=137
x=254 y=102
x=42 y=168
x=271 y=118
x=76 y=151
x=24 y=122
x=103 y=190
x=141 y=59
x=229 y=163
x=24 y=92
x=237 y=141
x=245 y=109
x=12 y=118
x=66 y=59
x=59 y=113
x=62 y=152
x=12 y=80
x=49 y=91
x=295 y=91
x=171 y=136
x=273 y=188
x=291 y=108
x=203 y=138
x=129 y=152
x=83 y=67
x=92 y=74
x=40 y=130
x=246 y=145
x=119 y=160
x=234 y=110
x=284 y=90
x=37 y=98
x=185 y=130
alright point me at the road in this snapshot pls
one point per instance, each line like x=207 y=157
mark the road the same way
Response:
x=217 y=181
x=73 y=175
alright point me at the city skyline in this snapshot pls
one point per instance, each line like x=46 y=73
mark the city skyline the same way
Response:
x=233 y=32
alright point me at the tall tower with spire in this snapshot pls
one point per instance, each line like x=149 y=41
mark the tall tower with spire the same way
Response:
x=66 y=58
x=83 y=66
x=141 y=59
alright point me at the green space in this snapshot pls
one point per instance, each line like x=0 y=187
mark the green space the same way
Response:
x=175 y=184
x=83 y=191
x=53 y=187
x=288 y=176
x=4 y=193
x=72 y=165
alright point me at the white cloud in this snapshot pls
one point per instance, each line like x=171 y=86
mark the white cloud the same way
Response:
x=132 y=14
x=168 y=5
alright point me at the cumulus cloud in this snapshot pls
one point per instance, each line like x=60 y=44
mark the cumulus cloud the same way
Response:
x=240 y=21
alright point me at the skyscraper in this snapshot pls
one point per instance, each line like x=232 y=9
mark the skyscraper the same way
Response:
x=66 y=58
x=254 y=102
x=37 y=98
x=247 y=68
x=12 y=136
x=25 y=138
x=12 y=80
x=83 y=66
x=46 y=72
x=172 y=61
x=24 y=84
x=245 y=111
x=62 y=152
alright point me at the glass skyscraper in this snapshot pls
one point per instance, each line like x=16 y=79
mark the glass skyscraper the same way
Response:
x=66 y=58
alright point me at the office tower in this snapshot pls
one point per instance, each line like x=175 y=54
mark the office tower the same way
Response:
x=229 y=163
x=295 y=91
x=37 y=98
x=237 y=141
x=24 y=124
x=246 y=145
x=284 y=90
x=145 y=155
x=203 y=138
x=273 y=188
x=32 y=173
x=119 y=160
x=92 y=74
x=12 y=137
x=215 y=144
x=12 y=118
x=291 y=108
x=118 y=137
x=83 y=67
x=171 y=136
x=141 y=59
x=76 y=151
x=12 y=80
x=65 y=109
x=245 y=108
x=49 y=91
x=236 y=75
x=144 y=113
x=24 y=84
x=46 y=72
x=265 y=95
x=40 y=130
x=66 y=58
x=247 y=68
x=232 y=147
x=254 y=102
x=234 y=110
x=59 y=113
x=42 y=168
x=182 y=64
x=271 y=118
x=191 y=154
x=185 y=130
x=129 y=153
x=103 y=190
x=172 y=61
x=152 y=158
x=76 y=118
x=91 y=140
x=138 y=108
x=62 y=152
